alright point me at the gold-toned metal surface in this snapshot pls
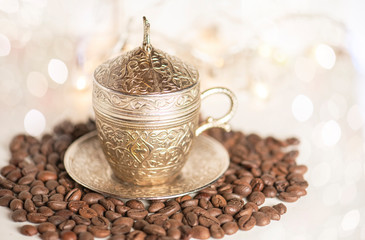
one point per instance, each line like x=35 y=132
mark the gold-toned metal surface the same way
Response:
x=85 y=162
x=146 y=70
x=147 y=106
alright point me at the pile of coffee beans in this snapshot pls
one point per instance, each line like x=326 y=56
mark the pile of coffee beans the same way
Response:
x=38 y=190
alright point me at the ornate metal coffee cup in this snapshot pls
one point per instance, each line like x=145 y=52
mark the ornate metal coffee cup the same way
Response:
x=147 y=105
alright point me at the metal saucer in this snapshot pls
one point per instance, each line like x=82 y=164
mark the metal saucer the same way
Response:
x=86 y=164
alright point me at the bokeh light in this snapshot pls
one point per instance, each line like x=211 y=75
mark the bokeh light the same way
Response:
x=264 y=50
x=331 y=133
x=81 y=83
x=325 y=56
x=331 y=194
x=34 y=122
x=58 y=71
x=351 y=220
x=4 y=45
x=302 y=108
x=261 y=90
x=37 y=84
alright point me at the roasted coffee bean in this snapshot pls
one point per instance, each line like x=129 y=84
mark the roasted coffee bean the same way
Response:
x=155 y=206
x=28 y=179
x=115 y=201
x=207 y=221
x=135 y=204
x=224 y=218
x=205 y=204
x=122 y=209
x=5 y=200
x=19 y=215
x=80 y=229
x=201 y=195
x=5 y=183
x=140 y=224
x=46 y=211
x=68 y=235
x=107 y=204
x=99 y=232
x=100 y=221
x=137 y=214
x=39 y=190
x=29 y=206
x=57 y=205
x=64 y=213
x=97 y=208
x=281 y=208
x=75 y=206
x=288 y=197
x=216 y=232
x=113 y=215
x=231 y=209
x=19 y=188
x=177 y=216
x=218 y=201
x=200 y=232
x=171 y=207
x=46 y=227
x=243 y=189
x=261 y=218
x=251 y=205
x=6 y=192
x=56 y=197
x=14 y=175
x=175 y=233
x=67 y=225
x=171 y=223
x=136 y=235
x=248 y=225
x=281 y=185
x=73 y=195
x=81 y=220
x=214 y=212
x=123 y=221
x=87 y=212
x=257 y=184
x=189 y=203
x=51 y=184
x=91 y=198
x=191 y=219
x=244 y=212
x=28 y=230
x=16 y=204
x=50 y=236
x=56 y=220
x=230 y=228
x=120 y=229
x=297 y=190
x=269 y=191
x=40 y=200
x=46 y=176
x=36 y=217
x=154 y=229
x=156 y=218
x=271 y=212
x=256 y=197
x=7 y=169
x=118 y=237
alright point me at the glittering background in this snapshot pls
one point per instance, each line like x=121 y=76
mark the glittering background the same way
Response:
x=297 y=68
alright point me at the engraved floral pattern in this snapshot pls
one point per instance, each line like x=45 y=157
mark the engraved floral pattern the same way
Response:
x=144 y=155
x=170 y=103
x=86 y=164
x=138 y=73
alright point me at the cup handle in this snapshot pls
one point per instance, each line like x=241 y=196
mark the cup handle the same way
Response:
x=222 y=122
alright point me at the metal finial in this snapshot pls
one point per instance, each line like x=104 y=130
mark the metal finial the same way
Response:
x=146 y=35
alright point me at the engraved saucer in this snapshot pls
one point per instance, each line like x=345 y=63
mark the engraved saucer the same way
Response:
x=86 y=164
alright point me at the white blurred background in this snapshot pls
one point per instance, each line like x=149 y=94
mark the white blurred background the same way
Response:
x=297 y=68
